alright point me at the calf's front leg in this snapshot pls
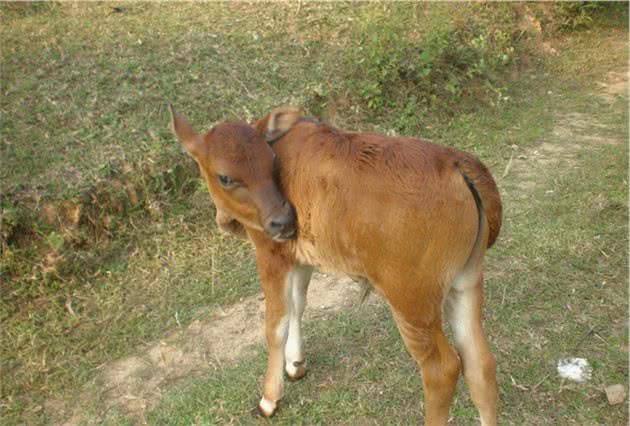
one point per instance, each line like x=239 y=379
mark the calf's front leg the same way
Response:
x=275 y=277
x=276 y=332
x=298 y=280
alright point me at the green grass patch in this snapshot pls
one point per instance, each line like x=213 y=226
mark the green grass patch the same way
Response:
x=84 y=126
x=557 y=288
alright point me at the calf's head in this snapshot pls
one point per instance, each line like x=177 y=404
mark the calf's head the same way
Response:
x=238 y=167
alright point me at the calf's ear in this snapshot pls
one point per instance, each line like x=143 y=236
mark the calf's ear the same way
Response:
x=186 y=135
x=279 y=121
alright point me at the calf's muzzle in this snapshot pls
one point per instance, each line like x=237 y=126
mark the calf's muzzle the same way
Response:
x=281 y=226
x=276 y=214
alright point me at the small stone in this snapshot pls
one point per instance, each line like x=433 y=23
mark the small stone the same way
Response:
x=616 y=394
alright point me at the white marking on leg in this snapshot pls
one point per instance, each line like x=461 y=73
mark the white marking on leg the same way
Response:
x=267 y=407
x=461 y=310
x=298 y=280
x=461 y=307
x=282 y=331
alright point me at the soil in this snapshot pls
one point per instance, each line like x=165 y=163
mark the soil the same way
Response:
x=218 y=339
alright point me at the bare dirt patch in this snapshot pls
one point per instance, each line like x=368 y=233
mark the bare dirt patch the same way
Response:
x=573 y=133
x=580 y=131
x=615 y=85
x=135 y=384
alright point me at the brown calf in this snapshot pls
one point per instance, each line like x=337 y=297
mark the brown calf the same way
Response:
x=412 y=218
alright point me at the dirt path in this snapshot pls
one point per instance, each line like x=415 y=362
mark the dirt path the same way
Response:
x=528 y=168
x=136 y=383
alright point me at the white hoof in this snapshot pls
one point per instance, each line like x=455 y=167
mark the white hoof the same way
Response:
x=267 y=408
x=295 y=370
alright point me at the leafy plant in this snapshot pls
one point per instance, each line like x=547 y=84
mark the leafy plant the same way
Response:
x=574 y=15
x=405 y=61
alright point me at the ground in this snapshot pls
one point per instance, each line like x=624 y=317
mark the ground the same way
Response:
x=533 y=179
x=162 y=324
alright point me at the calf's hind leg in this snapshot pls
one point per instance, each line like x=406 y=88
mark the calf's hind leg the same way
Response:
x=439 y=364
x=464 y=313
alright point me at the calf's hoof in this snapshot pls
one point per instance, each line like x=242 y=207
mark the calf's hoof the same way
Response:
x=267 y=408
x=296 y=370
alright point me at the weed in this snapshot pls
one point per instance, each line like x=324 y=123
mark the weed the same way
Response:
x=417 y=62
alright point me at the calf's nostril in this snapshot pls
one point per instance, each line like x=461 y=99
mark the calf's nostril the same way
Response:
x=280 y=224
x=279 y=221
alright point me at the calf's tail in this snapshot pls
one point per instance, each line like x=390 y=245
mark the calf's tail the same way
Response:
x=485 y=191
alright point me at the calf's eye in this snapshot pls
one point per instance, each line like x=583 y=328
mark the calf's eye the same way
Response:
x=225 y=181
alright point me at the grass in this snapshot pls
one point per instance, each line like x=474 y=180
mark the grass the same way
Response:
x=557 y=288
x=84 y=90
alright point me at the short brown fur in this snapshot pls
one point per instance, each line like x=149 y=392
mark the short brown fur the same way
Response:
x=394 y=211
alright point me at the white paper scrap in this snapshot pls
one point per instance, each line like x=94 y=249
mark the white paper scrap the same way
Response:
x=575 y=369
